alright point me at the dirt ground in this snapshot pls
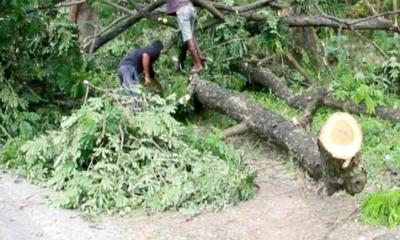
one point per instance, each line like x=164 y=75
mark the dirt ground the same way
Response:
x=286 y=206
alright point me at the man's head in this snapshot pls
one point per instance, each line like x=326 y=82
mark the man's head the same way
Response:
x=154 y=49
x=158 y=44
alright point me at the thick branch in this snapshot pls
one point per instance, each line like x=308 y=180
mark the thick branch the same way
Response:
x=235 y=130
x=320 y=21
x=54 y=4
x=245 y=8
x=207 y=5
x=122 y=26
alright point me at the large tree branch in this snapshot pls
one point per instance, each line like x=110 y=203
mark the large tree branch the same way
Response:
x=248 y=11
x=122 y=26
x=207 y=5
x=245 y=8
x=321 y=21
x=278 y=86
x=350 y=26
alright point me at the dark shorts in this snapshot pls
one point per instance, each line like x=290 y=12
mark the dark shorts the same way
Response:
x=129 y=79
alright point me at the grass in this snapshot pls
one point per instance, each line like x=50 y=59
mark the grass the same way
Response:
x=382 y=208
x=269 y=101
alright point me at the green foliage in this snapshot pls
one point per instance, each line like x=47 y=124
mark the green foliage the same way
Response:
x=273 y=36
x=381 y=151
x=383 y=208
x=391 y=71
x=9 y=154
x=272 y=103
x=361 y=86
x=39 y=57
x=105 y=158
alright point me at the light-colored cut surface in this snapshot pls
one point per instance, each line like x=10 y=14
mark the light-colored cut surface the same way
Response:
x=341 y=136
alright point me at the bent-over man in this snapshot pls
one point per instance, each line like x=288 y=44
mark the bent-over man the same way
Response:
x=136 y=62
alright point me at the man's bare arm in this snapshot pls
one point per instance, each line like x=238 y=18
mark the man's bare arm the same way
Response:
x=146 y=68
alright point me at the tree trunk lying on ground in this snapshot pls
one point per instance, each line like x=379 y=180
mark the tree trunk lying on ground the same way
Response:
x=268 y=79
x=284 y=133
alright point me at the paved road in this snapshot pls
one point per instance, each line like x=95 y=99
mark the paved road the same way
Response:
x=25 y=215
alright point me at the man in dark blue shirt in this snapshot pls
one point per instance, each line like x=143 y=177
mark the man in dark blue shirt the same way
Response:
x=136 y=62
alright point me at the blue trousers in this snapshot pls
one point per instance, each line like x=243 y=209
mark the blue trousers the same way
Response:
x=129 y=79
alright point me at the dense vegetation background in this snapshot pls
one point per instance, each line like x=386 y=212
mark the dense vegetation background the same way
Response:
x=104 y=158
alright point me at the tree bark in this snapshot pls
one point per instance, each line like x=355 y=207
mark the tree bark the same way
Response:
x=306 y=39
x=84 y=16
x=207 y=5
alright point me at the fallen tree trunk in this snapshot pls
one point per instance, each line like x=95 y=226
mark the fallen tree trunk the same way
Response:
x=284 y=133
x=266 y=123
x=268 y=79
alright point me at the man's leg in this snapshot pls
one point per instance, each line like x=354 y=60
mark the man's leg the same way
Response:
x=182 y=56
x=198 y=65
x=193 y=25
x=185 y=17
x=129 y=79
x=197 y=48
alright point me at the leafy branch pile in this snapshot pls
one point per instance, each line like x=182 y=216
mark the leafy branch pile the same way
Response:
x=105 y=158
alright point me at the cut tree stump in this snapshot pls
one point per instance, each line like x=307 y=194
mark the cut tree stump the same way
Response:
x=341 y=137
x=340 y=141
x=283 y=133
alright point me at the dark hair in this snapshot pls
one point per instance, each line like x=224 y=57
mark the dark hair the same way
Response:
x=154 y=49
x=158 y=44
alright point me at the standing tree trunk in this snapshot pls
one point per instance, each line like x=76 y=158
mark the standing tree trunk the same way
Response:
x=307 y=40
x=85 y=18
x=396 y=24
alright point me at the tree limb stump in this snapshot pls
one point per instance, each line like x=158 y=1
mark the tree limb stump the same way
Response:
x=235 y=130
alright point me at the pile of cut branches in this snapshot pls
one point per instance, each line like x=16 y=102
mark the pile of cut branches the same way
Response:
x=104 y=158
